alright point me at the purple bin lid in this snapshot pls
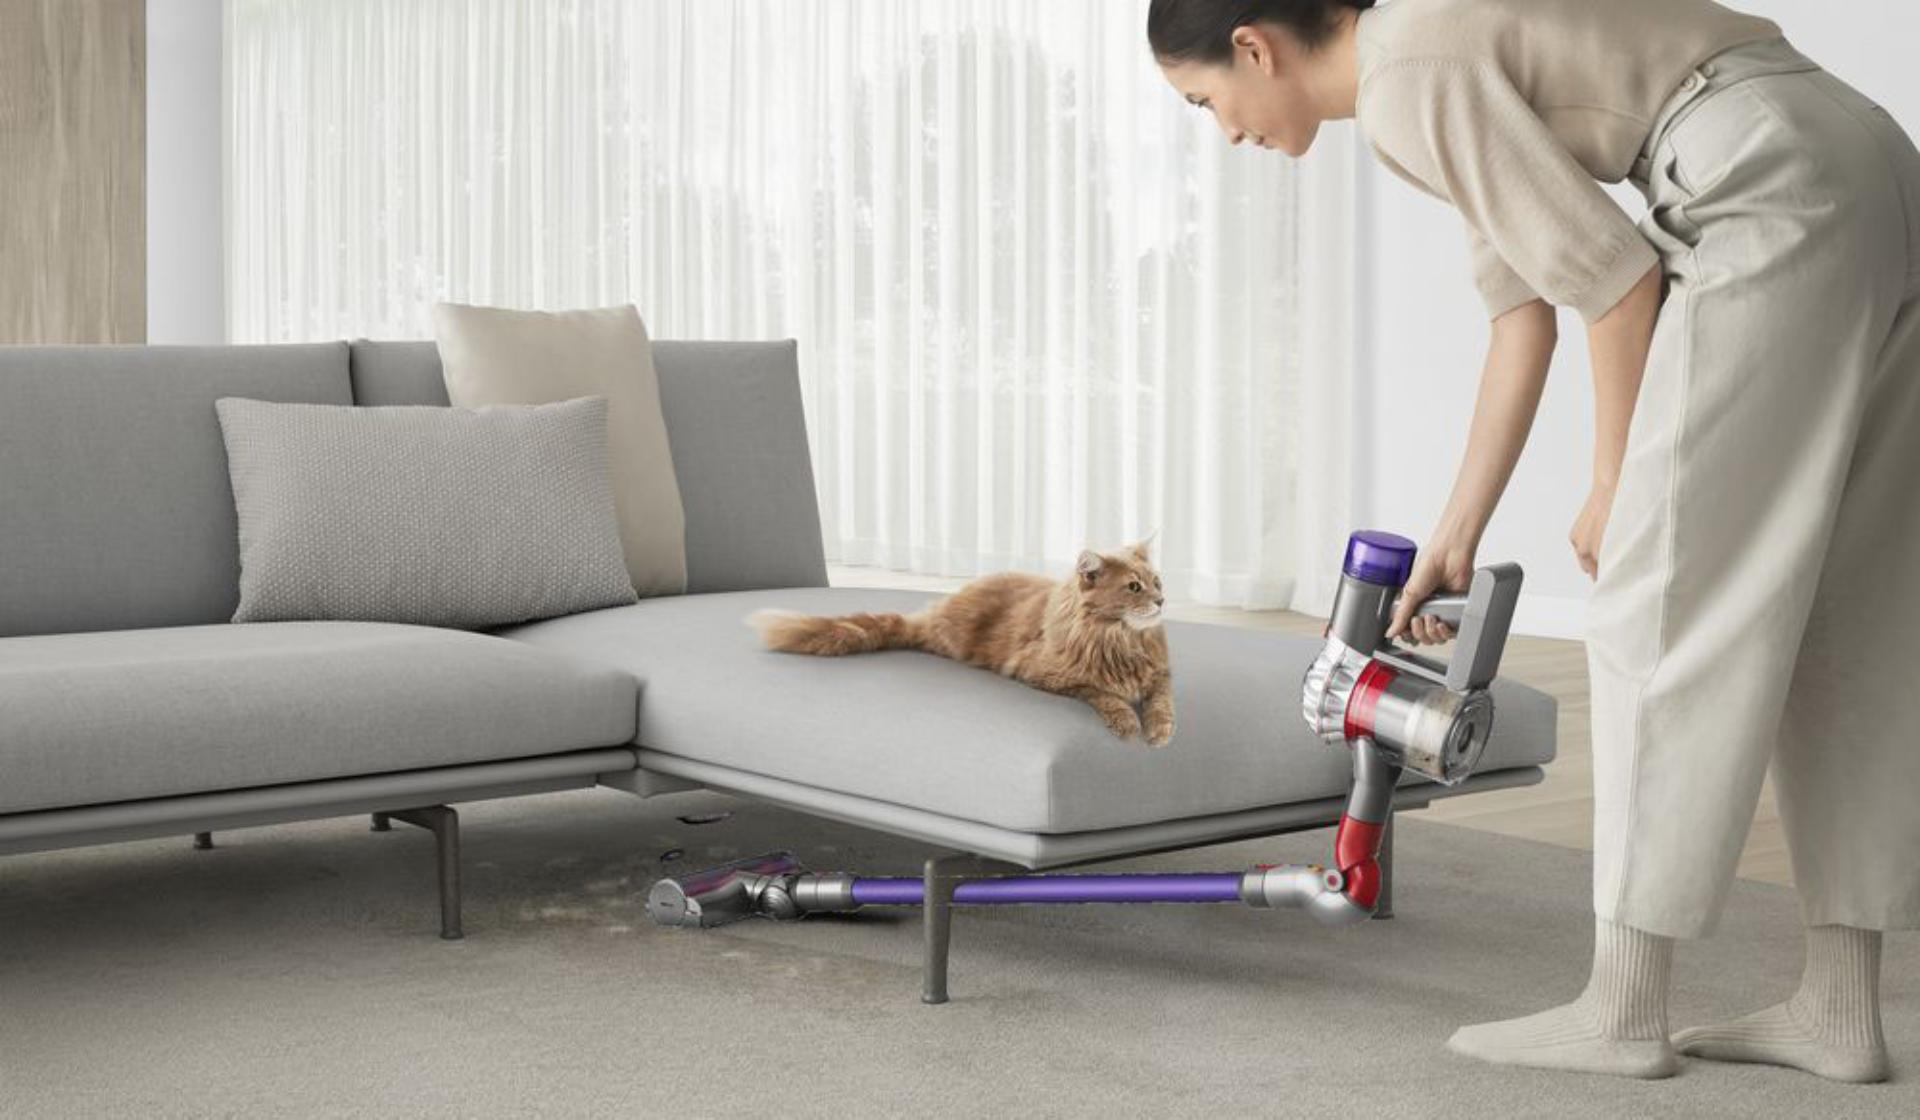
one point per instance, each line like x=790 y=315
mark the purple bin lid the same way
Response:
x=1385 y=559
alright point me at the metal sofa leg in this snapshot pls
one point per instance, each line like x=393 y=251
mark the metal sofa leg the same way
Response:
x=937 y=918
x=1384 y=908
x=941 y=877
x=380 y=823
x=444 y=823
x=203 y=841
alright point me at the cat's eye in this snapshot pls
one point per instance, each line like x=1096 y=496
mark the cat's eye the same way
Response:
x=1134 y=586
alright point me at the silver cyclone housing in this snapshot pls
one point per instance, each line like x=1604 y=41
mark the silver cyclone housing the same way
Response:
x=1328 y=687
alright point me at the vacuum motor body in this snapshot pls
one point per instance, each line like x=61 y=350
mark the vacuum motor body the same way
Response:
x=1431 y=718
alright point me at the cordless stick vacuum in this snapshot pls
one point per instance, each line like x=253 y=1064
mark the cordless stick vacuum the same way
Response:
x=1394 y=709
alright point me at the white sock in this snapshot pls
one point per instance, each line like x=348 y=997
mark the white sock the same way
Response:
x=1618 y=1025
x=1831 y=1026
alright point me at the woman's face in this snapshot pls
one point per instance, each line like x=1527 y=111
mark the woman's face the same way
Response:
x=1260 y=96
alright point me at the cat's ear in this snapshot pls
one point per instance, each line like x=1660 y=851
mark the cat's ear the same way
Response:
x=1144 y=547
x=1089 y=565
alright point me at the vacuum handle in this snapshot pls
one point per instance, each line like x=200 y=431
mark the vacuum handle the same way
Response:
x=1446 y=608
x=1482 y=617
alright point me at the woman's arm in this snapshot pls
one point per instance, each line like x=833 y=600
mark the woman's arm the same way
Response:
x=1510 y=388
x=1618 y=342
x=1511 y=382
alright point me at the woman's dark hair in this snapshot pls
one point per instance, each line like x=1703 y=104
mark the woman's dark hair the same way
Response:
x=1202 y=30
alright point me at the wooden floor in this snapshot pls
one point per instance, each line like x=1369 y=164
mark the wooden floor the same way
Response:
x=1559 y=810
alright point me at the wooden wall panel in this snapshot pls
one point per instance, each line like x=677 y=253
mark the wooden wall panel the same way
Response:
x=73 y=225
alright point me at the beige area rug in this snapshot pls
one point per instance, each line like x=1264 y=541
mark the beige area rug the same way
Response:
x=295 y=971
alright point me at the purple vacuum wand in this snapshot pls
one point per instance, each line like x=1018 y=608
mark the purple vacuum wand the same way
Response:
x=1395 y=710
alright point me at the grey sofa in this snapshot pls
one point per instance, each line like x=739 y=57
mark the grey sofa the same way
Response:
x=130 y=707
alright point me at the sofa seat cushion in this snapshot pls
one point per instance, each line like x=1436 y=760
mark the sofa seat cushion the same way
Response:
x=922 y=731
x=127 y=714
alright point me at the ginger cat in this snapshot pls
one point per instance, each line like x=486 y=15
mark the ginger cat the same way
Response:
x=1095 y=636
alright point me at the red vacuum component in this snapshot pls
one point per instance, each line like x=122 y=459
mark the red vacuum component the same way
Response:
x=1356 y=852
x=1373 y=681
x=1356 y=846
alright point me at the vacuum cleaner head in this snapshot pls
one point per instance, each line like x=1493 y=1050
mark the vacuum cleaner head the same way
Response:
x=722 y=894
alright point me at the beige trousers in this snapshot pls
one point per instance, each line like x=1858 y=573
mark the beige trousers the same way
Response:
x=1759 y=580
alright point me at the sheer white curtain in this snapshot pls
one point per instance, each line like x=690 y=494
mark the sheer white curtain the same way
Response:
x=1041 y=303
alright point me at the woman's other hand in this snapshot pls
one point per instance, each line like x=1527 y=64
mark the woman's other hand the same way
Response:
x=1443 y=567
x=1591 y=528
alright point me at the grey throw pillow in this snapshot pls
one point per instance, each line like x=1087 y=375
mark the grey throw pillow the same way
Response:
x=438 y=516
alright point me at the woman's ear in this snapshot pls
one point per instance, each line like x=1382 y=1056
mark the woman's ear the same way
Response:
x=1257 y=45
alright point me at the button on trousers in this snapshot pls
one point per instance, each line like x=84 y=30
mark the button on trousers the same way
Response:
x=1758 y=590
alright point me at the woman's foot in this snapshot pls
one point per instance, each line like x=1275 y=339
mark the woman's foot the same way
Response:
x=1618 y=1025
x=1831 y=1026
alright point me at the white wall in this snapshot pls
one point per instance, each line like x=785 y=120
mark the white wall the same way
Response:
x=1425 y=337
x=186 y=258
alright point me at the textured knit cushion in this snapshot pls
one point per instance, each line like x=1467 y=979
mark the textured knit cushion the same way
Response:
x=437 y=516
x=495 y=356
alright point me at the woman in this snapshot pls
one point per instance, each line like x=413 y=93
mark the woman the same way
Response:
x=1752 y=526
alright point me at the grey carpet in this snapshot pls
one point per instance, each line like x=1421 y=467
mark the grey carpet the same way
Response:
x=295 y=971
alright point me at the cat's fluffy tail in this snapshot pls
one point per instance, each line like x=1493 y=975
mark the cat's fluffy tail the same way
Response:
x=793 y=632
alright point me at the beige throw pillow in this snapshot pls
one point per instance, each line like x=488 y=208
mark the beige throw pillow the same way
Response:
x=491 y=355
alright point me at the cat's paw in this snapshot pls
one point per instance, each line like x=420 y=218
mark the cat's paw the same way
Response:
x=1159 y=732
x=1124 y=727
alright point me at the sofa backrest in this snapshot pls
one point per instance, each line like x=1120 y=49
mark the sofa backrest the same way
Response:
x=739 y=438
x=115 y=508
